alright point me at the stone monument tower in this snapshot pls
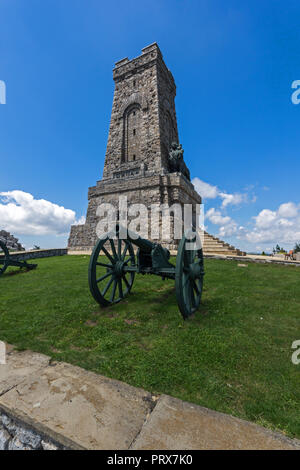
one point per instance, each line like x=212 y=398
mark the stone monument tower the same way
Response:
x=137 y=164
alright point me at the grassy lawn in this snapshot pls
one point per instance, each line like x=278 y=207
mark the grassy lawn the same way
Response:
x=234 y=356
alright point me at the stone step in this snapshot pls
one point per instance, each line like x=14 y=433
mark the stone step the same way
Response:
x=215 y=244
x=212 y=244
x=225 y=252
x=219 y=247
x=227 y=246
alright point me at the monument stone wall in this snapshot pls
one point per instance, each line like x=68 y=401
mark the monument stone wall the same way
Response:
x=143 y=126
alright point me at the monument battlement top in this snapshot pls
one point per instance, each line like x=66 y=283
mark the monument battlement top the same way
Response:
x=149 y=54
x=152 y=48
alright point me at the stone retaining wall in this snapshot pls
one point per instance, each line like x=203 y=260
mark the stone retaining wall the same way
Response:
x=15 y=435
x=34 y=254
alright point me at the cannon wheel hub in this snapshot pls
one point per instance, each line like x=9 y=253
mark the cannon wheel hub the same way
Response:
x=118 y=268
x=108 y=280
x=195 y=271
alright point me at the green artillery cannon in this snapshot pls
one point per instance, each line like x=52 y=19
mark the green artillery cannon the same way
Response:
x=6 y=260
x=113 y=266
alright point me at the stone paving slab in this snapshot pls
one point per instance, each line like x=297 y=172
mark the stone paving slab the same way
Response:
x=82 y=410
x=20 y=365
x=175 y=424
x=89 y=410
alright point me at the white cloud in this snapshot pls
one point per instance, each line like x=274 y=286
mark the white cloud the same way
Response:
x=273 y=236
x=22 y=214
x=289 y=209
x=270 y=227
x=265 y=218
x=208 y=191
x=267 y=228
x=285 y=223
x=233 y=199
x=228 y=226
x=281 y=226
x=228 y=230
x=215 y=217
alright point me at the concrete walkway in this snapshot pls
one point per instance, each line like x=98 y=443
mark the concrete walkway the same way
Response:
x=245 y=258
x=257 y=258
x=83 y=410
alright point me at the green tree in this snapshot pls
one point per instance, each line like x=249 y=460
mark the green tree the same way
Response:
x=279 y=249
x=297 y=248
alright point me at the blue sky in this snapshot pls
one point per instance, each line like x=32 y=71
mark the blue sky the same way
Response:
x=233 y=62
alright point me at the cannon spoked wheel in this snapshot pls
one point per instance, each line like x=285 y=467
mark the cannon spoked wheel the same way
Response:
x=4 y=257
x=110 y=277
x=189 y=275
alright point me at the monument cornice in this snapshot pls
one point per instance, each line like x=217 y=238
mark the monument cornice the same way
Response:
x=173 y=180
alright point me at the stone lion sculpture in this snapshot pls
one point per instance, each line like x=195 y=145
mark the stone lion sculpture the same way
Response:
x=176 y=162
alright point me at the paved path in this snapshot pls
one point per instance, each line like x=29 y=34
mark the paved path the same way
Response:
x=83 y=410
x=245 y=259
x=255 y=258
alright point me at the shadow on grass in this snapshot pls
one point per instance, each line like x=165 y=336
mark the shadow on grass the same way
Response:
x=16 y=272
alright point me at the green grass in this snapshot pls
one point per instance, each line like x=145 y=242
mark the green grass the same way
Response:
x=234 y=356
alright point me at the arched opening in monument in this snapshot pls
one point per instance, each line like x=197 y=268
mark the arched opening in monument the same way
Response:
x=131 y=133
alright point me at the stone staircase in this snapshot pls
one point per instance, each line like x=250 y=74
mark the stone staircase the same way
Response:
x=213 y=245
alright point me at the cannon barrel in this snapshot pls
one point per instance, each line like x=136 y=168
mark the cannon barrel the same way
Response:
x=145 y=245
